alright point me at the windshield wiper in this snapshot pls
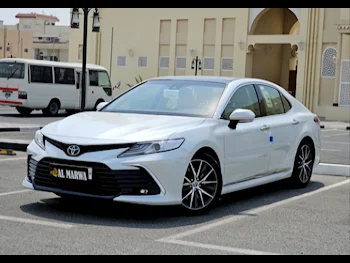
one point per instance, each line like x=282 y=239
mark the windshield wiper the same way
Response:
x=12 y=74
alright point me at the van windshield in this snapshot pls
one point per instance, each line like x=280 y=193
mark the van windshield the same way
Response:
x=11 y=70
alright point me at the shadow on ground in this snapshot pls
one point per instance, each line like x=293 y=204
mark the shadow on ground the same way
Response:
x=96 y=212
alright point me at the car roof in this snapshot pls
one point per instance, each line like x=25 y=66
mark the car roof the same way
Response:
x=52 y=63
x=224 y=80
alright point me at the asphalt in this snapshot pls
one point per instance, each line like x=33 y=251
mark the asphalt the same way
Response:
x=272 y=219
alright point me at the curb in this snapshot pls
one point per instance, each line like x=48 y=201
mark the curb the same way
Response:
x=342 y=128
x=19 y=129
x=333 y=169
x=14 y=146
x=322 y=168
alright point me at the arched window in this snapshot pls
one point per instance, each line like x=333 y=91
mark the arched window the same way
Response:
x=329 y=58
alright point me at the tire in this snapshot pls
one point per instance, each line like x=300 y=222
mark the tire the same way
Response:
x=199 y=195
x=98 y=102
x=24 y=111
x=52 y=109
x=303 y=164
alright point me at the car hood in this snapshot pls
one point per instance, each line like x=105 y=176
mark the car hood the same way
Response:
x=104 y=127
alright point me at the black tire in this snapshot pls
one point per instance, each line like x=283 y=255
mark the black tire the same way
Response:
x=52 y=109
x=98 y=102
x=303 y=164
x=199 y=195
x=24 y=111
x=71 y=112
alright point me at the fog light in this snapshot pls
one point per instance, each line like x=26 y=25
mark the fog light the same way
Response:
x=144 y=191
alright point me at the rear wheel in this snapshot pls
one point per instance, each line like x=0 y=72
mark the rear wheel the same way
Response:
x=24 y=111
x=303 y=164
x=202 y=184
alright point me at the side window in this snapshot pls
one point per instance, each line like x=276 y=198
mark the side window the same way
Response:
x=64 y=76
x=93 y=75
x=286 y=104
x=244 y=98
x=271 y=100
x=41 y=74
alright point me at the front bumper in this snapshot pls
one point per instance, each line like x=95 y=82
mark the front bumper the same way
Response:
x=166 y=171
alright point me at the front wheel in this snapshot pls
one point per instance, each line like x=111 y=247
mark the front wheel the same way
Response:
x=303 y=164
x=52 y=109
x=202 y=184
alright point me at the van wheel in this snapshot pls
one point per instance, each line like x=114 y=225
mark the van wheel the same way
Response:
x=98 y=102
x=24 y=111
x=52 y=109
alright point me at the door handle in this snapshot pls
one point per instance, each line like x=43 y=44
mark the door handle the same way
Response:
x=295 y=122
x=265 y=128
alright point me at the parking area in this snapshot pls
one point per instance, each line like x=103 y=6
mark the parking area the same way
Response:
x=272 y=219
x=335 y=146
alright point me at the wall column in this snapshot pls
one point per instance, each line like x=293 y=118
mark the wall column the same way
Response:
x=337 y=74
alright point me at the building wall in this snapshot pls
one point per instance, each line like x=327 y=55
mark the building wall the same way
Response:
x=332 y=98
x=16 y=43
x=169 y=39
x=48 y=38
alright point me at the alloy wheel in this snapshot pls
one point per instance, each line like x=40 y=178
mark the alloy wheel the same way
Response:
x=200 y=185
x=305 y=163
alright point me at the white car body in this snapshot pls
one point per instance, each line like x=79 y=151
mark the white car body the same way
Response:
x=248 y=155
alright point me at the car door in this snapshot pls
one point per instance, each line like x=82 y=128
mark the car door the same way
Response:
x=247 y=148
x=282 y=128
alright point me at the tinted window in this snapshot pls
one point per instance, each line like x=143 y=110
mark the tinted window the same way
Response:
x=99 y=78
x=244 y=98
x=12 y=70
x=271 y=100
x=286 y=104
x=64 y=76
x=40 y=74
x=170 y=97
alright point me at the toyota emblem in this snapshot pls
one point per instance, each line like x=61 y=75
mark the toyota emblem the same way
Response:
x=73 y=150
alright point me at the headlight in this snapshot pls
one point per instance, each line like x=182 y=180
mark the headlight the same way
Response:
x=152 y=147
x=39 y=139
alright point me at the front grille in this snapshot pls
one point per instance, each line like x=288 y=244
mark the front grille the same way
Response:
x=105 y=183
x=87 y=148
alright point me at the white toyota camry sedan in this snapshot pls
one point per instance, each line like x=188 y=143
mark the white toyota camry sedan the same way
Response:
x=178 y=141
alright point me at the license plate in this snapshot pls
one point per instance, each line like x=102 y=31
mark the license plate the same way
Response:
x=71 y=172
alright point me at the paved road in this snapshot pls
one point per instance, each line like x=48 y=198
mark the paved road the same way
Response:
x=270 y=219
x=11 y=116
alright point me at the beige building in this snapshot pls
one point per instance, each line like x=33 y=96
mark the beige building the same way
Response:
x=15 y=42
x=50 y=41
x=305 y=50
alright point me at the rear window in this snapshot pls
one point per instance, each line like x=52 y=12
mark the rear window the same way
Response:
x=12 y=70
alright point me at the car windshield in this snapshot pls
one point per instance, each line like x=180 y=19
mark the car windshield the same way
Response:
x=170 y=97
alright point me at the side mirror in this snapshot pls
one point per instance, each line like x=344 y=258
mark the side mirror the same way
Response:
x=101 y=105
x=241 y=116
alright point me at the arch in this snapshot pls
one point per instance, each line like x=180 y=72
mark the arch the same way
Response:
x=256 y=15
x=295 y=28
x=329 y=64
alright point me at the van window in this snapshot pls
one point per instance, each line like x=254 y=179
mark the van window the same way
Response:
x=41 y=74
x=64 y=76
x=12 y=70
x=99 y=78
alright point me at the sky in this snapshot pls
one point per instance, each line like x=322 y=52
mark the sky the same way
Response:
x=8 y=14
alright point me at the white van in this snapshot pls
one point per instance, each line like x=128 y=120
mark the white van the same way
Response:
x=50 y=86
